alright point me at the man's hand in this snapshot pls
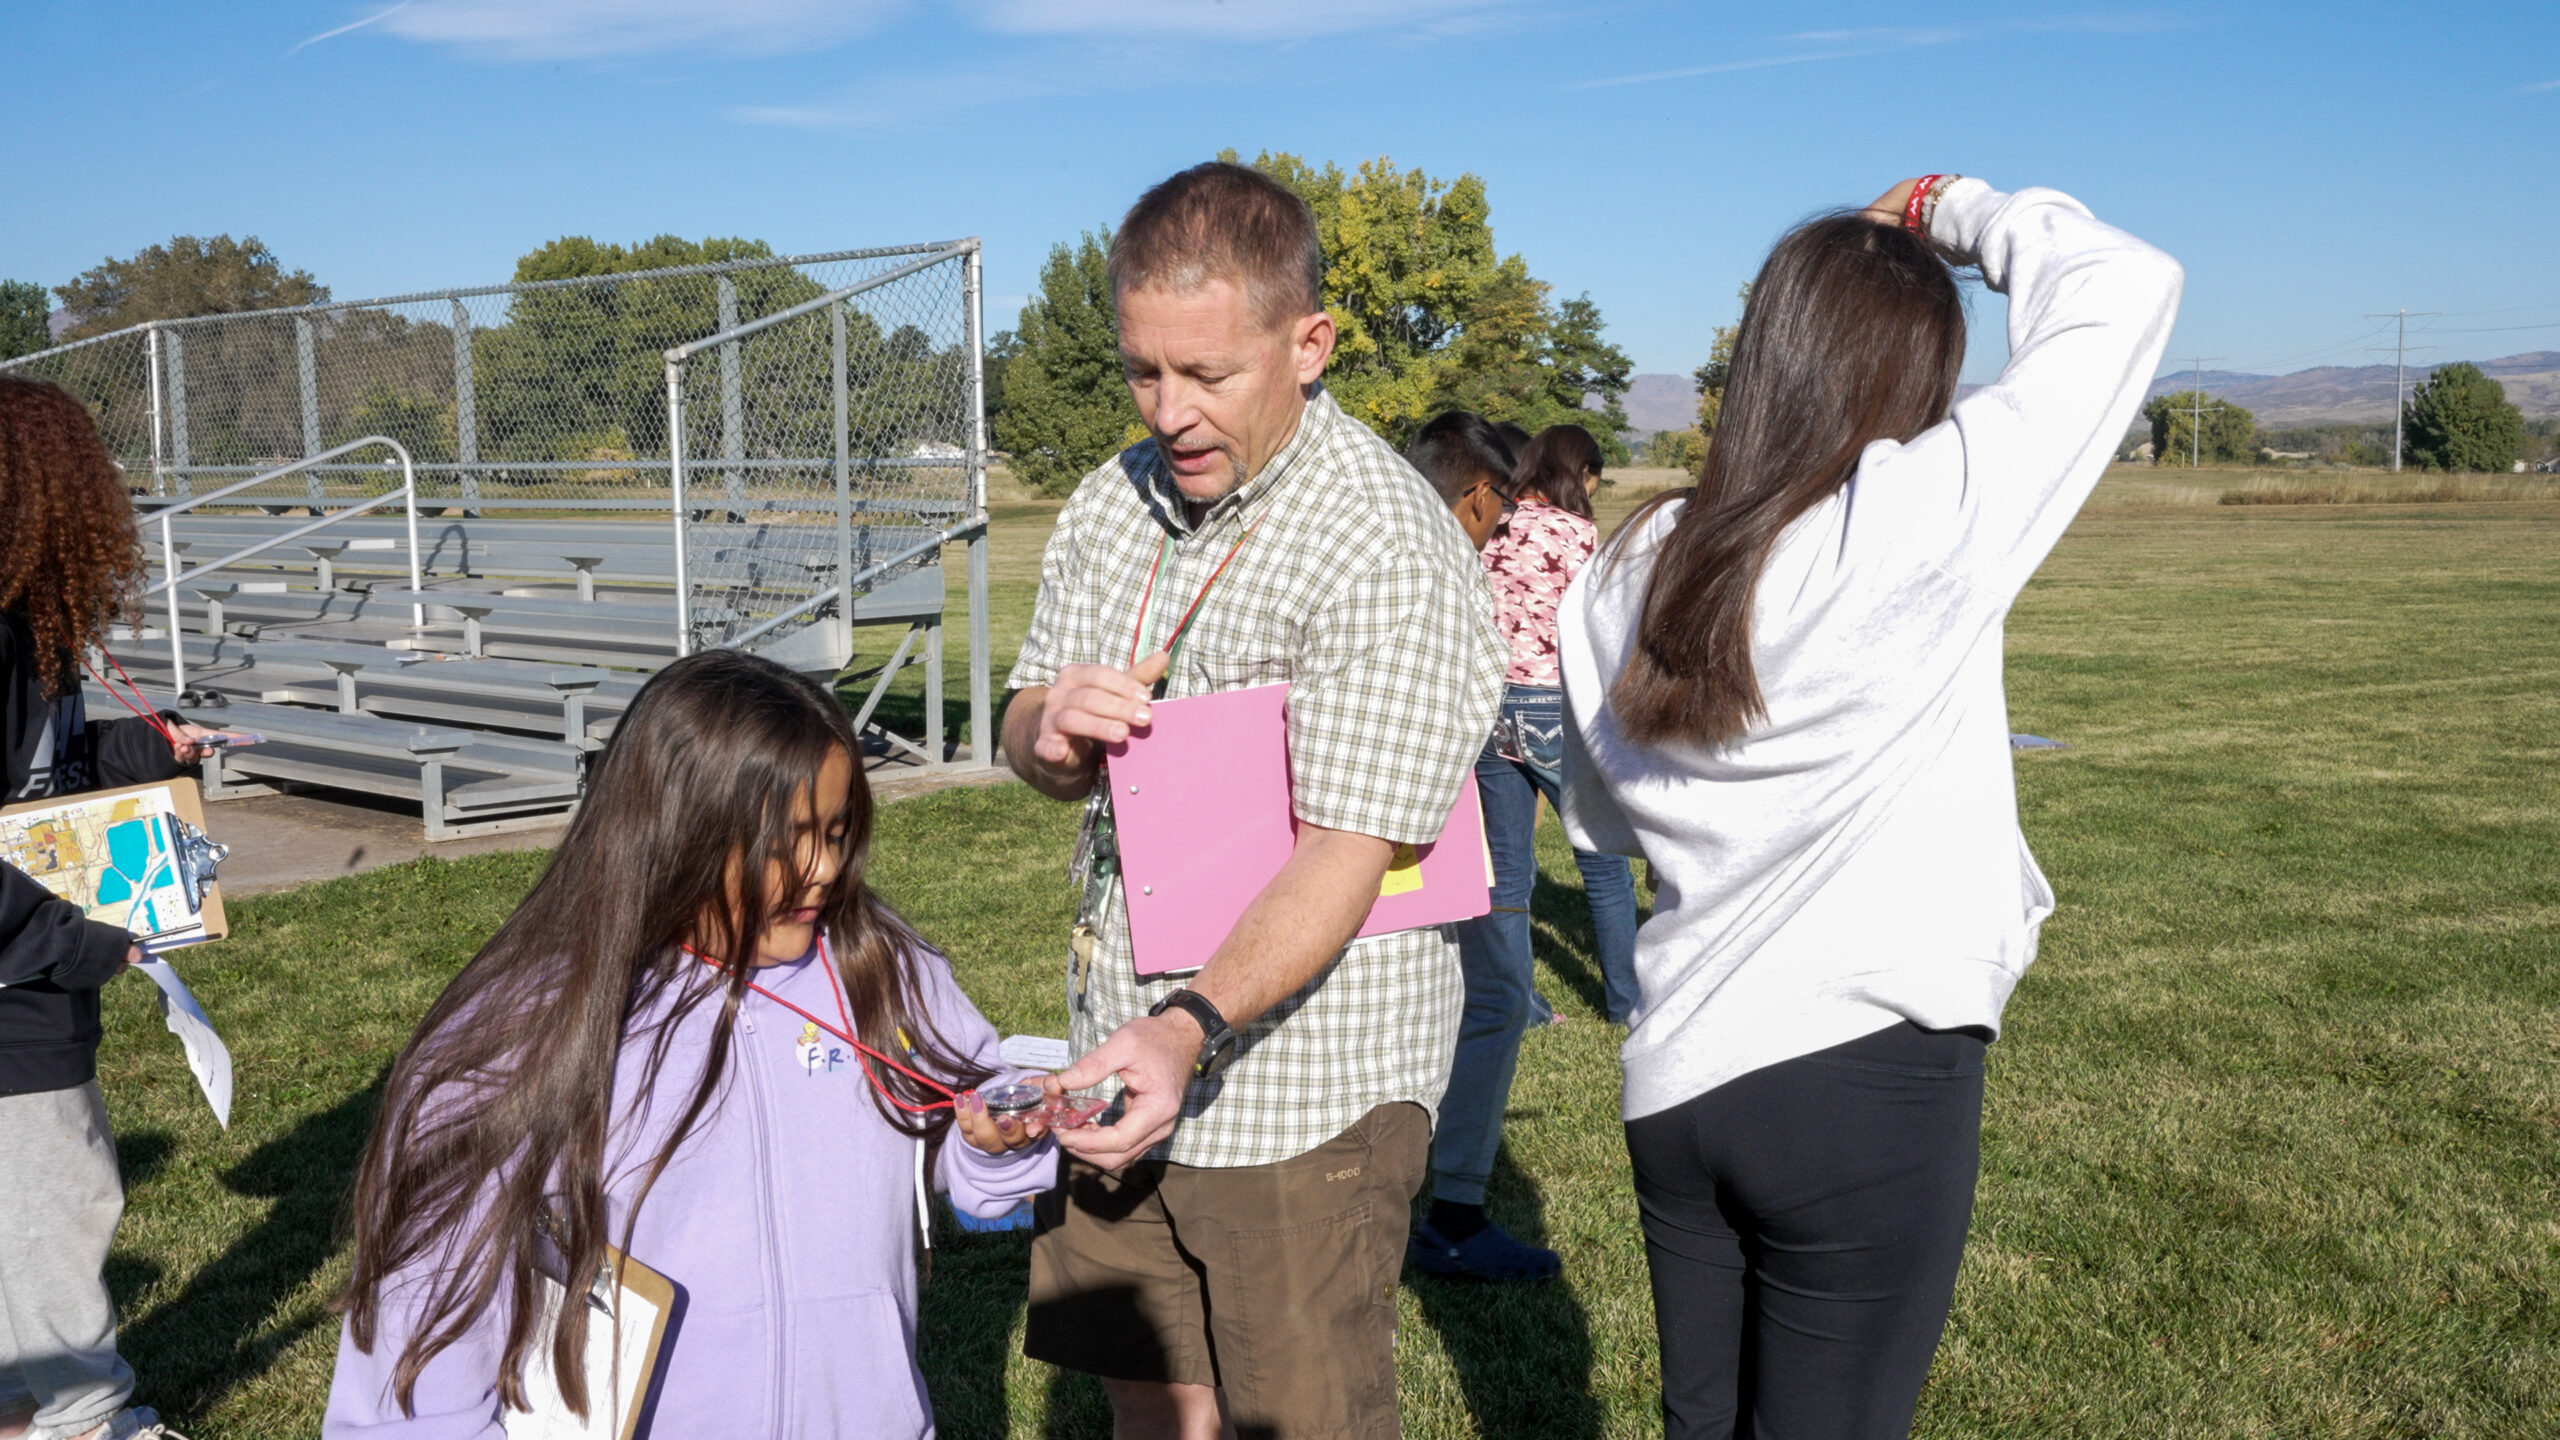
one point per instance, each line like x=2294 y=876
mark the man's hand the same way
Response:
x=1053 y=735
x=1153 y=1056
x=1284 y=939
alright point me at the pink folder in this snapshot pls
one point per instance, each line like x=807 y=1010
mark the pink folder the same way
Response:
x=1202 y=801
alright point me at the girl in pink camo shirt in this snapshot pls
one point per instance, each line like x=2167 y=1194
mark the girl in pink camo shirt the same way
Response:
x=1529 y=562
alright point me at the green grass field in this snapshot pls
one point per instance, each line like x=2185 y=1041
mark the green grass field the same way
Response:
x=2272 y=1135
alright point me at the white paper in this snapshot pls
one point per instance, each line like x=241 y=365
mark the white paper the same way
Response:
x=617 y=1359
x=1035 y=1052
x=207 y=1056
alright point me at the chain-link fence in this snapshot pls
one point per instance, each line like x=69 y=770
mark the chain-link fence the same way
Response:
x=533 y=396
x=830 y=408
x=830 y=439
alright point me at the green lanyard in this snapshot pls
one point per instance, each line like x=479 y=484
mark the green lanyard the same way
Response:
x=1182 y=627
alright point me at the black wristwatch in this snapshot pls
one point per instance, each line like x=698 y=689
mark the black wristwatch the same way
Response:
x=1217 y=1037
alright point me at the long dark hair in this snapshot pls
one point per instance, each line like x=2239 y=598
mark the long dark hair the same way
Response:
x=69 y=559
x=1554 y=468
x=1854 y=333
x=491 y=1142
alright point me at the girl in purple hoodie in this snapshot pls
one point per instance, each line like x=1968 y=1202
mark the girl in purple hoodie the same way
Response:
x=702 y=1041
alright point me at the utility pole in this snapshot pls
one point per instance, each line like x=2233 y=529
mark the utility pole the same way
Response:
x=2400 y=372
x=2195 y=415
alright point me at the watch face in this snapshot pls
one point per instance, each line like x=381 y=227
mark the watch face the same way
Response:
x=1214 y=1054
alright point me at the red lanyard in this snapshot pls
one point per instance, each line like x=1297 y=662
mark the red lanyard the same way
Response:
x=143 y=710
x=844 y=1032
x=1173 y=642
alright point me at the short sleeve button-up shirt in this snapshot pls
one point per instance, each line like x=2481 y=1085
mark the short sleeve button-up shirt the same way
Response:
x=1358 y=588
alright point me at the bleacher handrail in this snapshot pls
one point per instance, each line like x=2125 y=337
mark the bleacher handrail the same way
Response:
x=173 y=579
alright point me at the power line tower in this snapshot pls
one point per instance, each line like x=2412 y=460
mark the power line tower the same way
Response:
x=2400 y=371
x=2195 y=415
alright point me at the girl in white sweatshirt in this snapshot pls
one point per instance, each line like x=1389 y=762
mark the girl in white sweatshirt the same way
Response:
x=1784 y=690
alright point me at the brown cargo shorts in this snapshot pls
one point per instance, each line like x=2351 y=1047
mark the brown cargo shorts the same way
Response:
x=1275 y=1283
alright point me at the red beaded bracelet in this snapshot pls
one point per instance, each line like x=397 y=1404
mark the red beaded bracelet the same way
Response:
x=1911 y=207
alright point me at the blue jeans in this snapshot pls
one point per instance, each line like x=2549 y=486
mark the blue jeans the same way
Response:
x=1495 y=951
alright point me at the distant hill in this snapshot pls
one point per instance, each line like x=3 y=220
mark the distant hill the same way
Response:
x=1661 y=402
x=2363 y=392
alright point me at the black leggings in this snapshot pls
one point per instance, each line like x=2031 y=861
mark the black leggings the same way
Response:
x=1803 y=1224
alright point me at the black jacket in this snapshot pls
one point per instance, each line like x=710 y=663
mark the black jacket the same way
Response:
x=52 y=959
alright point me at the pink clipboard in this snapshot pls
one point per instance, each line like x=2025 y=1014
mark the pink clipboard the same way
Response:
x=1201 y=797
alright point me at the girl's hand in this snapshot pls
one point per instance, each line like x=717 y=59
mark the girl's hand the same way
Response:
x=1889 y=206
x=187 y=742
x=995 y=1134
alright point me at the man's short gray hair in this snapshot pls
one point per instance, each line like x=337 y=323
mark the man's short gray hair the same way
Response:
x=1223 y=221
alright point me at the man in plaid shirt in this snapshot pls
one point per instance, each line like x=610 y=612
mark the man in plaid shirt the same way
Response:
x=1235 y=1238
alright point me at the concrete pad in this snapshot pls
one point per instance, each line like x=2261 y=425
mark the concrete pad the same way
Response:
x=279 y=842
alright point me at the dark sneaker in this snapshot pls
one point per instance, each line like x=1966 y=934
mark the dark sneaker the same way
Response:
x=1489 y=1254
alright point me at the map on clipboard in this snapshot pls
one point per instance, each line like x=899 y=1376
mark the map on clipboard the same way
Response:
x=135 y=857
x=625 y=1333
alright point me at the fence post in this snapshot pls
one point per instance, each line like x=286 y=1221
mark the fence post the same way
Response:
x=159 y=480
x=302 y=358
x=675 y=495
x=982 y=745
x=181 y=453
x=466 y=411
x=844 y=484
x=733 y=405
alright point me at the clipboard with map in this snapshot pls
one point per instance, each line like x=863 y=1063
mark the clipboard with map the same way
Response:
x=135 y=857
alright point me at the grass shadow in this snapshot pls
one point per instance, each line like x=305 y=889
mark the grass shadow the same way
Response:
x=1561 y=935
x=216 y=1335
x=966 y=1318
x=1522 y=1353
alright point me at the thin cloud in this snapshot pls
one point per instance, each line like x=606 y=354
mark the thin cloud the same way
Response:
x=1217 y=19
x=2137 y=22
x=586 y=29
x=343 y=29
x=902 y=102
x=1889 y=38
x=1765 y=62
x=2545 y=85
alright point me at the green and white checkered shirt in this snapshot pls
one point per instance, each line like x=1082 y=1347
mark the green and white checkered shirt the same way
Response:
x=1360 y=590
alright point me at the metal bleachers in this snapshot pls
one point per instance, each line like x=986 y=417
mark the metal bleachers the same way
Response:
x=478 y=692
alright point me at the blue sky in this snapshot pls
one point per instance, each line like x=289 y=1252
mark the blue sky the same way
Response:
x=2307 y=163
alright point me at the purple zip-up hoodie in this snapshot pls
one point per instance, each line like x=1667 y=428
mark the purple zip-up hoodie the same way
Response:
x=787 y=1222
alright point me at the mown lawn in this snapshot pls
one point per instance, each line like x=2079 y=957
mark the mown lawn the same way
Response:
x=2272 y=1136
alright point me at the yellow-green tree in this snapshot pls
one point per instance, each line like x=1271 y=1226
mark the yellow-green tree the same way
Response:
x=1431 y=317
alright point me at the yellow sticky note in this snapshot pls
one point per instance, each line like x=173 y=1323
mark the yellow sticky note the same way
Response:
x=1404 y=873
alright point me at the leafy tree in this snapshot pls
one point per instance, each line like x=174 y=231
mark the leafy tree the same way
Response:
x=1711 y=376
x=24 y=309
x=1430 y=319
x=1518 y=359
x=579 y=373
x=2230 y=435
x=1676 y=449
x=1407 y=258
x=1002 y=346
x=183 y=278
x=2460 y=419
x=1066 y=403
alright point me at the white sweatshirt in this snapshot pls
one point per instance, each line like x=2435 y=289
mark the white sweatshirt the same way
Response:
x=1855 y=860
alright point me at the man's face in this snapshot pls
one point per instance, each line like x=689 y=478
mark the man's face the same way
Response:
x=1219 y=388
